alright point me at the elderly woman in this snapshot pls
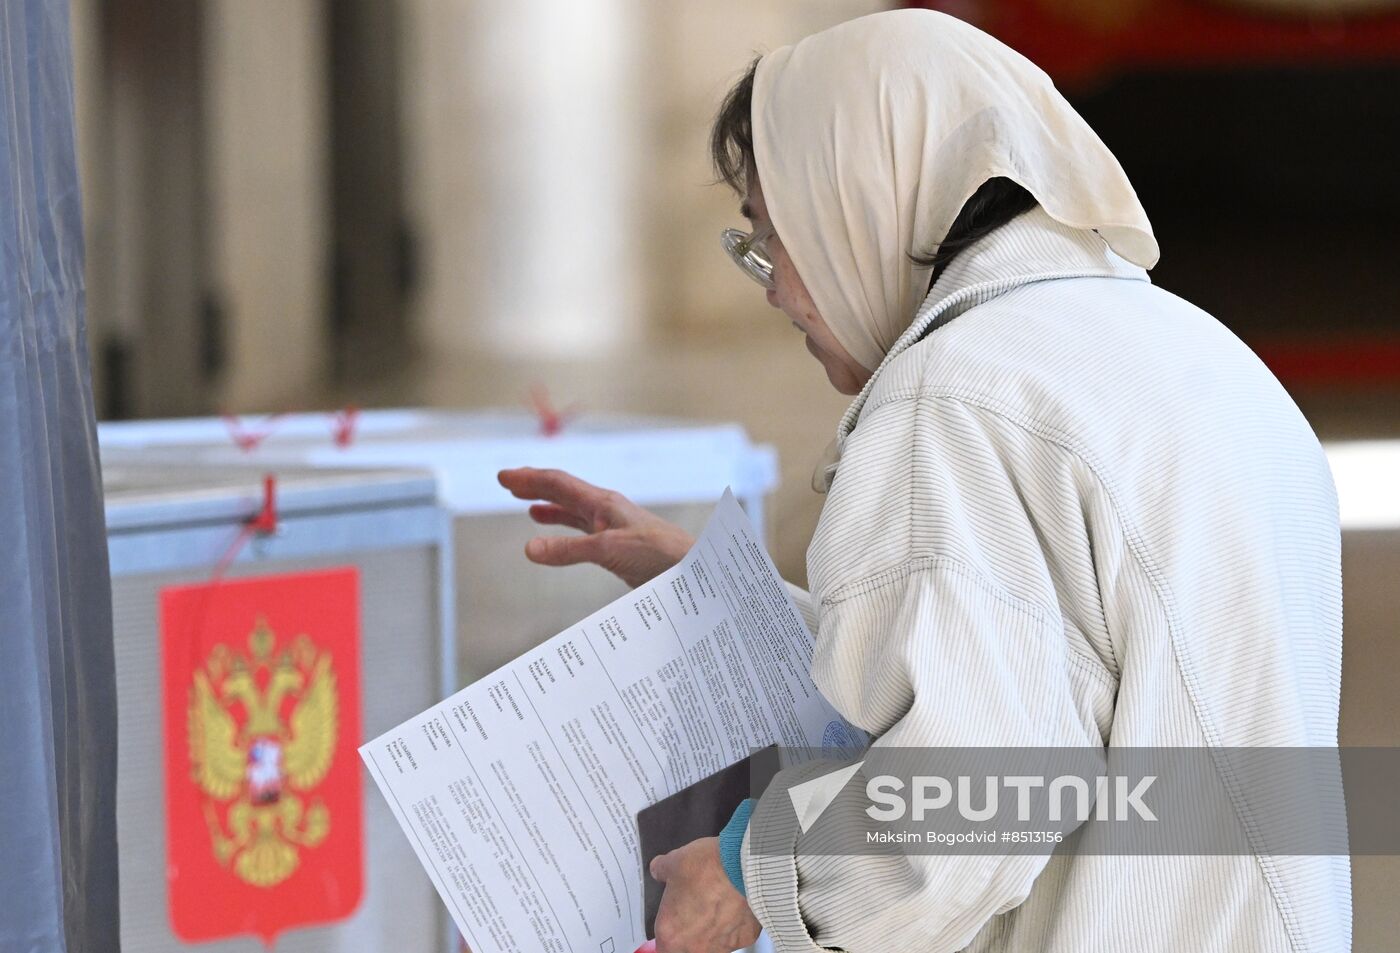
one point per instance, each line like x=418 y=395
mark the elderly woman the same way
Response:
x=1065 y=508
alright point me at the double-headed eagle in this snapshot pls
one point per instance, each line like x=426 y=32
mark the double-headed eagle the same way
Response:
x=251 y=764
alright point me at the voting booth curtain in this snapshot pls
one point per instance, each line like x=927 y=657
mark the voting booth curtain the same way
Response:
x=58 y=881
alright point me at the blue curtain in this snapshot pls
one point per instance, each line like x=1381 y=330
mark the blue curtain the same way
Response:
x=58 y=880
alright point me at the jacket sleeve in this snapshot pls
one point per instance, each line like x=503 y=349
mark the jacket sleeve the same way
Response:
x=950 y=658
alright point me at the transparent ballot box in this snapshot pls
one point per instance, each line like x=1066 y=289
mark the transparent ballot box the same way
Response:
x=259 y=638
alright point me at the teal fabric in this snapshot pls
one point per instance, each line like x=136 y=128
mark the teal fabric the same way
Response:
x=731 y=839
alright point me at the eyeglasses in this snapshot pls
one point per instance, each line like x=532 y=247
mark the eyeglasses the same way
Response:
x=750 y=252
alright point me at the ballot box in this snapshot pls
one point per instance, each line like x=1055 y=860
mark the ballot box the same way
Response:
x=1367 y=474
x=505 y=605
x=259 y=638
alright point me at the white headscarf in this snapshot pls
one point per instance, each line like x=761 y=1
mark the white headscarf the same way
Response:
x=871 y=135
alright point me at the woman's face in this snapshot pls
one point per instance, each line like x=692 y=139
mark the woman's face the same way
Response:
x=790 y=296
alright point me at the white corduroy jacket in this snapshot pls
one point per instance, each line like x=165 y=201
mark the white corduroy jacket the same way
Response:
x=1071 y=509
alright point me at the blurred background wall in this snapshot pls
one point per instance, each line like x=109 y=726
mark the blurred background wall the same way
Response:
x=295 y=203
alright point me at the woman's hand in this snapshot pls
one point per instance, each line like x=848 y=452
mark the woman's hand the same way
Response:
x=700 y=912
x=630 y=542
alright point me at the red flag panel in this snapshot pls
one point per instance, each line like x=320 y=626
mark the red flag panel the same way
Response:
x=261 y=689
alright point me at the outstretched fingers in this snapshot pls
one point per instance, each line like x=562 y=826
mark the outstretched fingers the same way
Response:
x=567 y=550
x=555 y=486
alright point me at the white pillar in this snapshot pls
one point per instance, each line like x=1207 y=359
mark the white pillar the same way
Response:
x=526 y=128
x=266 y=126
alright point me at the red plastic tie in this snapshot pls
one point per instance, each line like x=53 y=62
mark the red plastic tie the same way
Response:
x=343 y=425
x=265 y=522
x=551 y=421
x=262 y=523
x=247 y=439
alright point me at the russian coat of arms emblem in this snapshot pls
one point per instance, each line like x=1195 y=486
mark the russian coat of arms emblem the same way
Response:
x=262 y=733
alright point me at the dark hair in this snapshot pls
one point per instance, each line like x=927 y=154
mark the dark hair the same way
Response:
x=731 y=137
x=996 y=201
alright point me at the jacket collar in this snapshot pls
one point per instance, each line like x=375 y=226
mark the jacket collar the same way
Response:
x=1032 y=247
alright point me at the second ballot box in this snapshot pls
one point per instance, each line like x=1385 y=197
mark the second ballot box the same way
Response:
x=504 y=604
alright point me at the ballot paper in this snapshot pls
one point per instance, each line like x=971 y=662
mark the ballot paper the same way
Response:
x=520 y=793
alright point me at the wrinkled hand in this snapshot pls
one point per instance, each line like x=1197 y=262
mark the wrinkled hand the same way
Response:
x=700 y=912
x=630 y=542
